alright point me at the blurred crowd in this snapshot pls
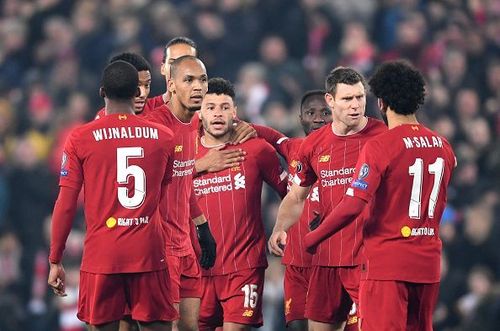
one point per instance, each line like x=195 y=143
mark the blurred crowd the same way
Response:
x=53 y=51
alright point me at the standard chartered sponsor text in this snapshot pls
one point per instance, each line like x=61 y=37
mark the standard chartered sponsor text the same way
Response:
x=333 y=177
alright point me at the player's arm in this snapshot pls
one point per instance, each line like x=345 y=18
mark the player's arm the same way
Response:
x=218 y=159
x=288 y=214
x=278 y=140
x=271 y=170
x=242 y=132
x=207 y=242
x=342 y=215
x=62 y=221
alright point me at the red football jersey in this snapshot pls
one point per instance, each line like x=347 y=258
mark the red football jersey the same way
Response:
x=151 y=104
x=123 y=162
x=295 y=253
x=175 y=206
x=331 y=160
x=231 y=201
x=405 y=172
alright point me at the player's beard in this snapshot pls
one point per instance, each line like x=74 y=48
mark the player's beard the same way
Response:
x=218 y=135
x=193 y=109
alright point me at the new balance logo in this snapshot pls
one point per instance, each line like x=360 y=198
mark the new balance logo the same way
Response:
x=239 y=181
x=248 y=313
x=324 y=158
x=178 y=148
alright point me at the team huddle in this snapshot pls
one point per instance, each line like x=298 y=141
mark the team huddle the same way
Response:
x=172 y=199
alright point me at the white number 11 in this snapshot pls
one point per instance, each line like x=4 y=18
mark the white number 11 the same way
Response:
x=416 y=170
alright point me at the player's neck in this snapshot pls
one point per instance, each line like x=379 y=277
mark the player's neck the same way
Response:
x=394 y=119
x=182 y=113
x=340 y=129
x=210 y=141
x=118 y=107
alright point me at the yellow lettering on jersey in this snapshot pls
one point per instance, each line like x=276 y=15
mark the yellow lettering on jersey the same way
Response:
x=248 y=313
x=414 y=128
x=324 y=158
x=122 y=117
x=237 y=168
x=288 y=306
x=178 y=148
x=293 y=164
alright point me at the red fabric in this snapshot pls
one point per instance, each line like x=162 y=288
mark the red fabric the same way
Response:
x=178 y=215
x=62 y=220
x=272 y=136
x=151 y=104
x=236 y=297
x=185 y=277
x=231 y=201
x=122 y=220
x=330 y=160
x=331 y=293
x=395 y=305
x=397 y=228
x=295 y=285
x=104 y=298
x=344 y=213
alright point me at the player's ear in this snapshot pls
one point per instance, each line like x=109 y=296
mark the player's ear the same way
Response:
x=329 y=100
x=101 y=92
x=171 y=86
x=163 y=69
x=381 y=105
x=235 y=112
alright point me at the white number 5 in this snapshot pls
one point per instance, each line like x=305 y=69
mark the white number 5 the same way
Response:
x=416 y=170
x=123 y=173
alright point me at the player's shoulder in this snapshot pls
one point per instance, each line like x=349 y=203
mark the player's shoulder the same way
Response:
x=376 y=126
x=160 y=114
x=256 y=145
x=316 y=136
x=167 y=132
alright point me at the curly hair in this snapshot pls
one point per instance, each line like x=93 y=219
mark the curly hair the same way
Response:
x=399 y=85
x=218 y=85
x=120 y=80
x=138 y=61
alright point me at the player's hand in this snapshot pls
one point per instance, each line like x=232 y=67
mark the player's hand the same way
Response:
x=315 y=222
x=56 y=279
x=208 y=246
x=218 y=159
x=277 y=242
x=242 y=132
x=311 y=247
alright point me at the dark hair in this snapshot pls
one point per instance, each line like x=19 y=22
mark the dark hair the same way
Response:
x=139 y=62
x=399 y=85
x=120 y=80
x=219 y=86
x=342 y=75
x=176 y=41
x=309 y=94
x=177 y=62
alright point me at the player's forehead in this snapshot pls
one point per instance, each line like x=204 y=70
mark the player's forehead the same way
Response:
x=191 y=67
x=346 y=90
x=176 y=51
x=144 y=75
x=314 y=102
x=217 y=99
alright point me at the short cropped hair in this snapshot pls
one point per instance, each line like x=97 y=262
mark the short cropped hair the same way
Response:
x=342 y=75
x=138 y=61
x=177 y=62
x=400 y=86
x=120 y=80
x=309 y=94
x=218 y=85
x=176 y=41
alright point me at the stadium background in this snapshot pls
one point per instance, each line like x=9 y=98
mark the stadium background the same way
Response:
x=52 y=53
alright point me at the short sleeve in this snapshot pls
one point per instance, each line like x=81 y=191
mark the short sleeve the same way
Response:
x=71 y=174
x=304 y=172
x=368 y=173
